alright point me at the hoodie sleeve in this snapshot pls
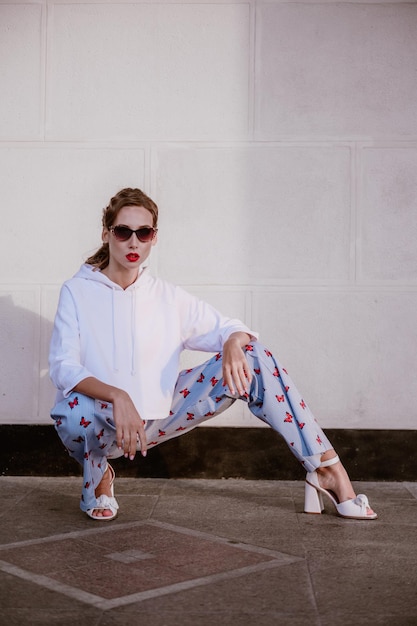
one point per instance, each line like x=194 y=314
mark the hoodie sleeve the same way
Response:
x=204 y=328
x=65 y=367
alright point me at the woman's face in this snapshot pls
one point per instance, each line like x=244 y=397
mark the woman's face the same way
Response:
x=130 y=254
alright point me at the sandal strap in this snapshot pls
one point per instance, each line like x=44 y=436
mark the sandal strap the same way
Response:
x=357 y=508
x=104 y=503
x=107 y=502
x=331 y=461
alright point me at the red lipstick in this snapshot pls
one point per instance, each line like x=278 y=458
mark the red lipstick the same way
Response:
x=132 y=257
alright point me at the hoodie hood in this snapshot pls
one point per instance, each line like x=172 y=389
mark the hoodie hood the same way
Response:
x=89 y=272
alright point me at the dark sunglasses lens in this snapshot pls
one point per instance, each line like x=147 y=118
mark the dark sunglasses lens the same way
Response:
x=145 y=234
x=122 y=233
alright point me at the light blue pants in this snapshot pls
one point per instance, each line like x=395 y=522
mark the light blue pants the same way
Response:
x=86 y=426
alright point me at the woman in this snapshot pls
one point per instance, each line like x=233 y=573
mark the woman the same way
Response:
x=114 y=359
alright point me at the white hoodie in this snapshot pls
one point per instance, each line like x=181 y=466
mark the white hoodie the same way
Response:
x=132 y=338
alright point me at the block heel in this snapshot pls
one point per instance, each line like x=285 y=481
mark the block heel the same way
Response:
x=313 y=500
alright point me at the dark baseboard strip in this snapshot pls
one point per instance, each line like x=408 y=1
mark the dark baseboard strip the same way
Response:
x=247 y=453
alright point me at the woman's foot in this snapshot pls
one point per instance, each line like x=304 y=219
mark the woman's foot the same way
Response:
x=104 y=495
x=334 y=478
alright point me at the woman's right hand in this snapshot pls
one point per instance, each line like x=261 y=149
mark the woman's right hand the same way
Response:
x=129 y=425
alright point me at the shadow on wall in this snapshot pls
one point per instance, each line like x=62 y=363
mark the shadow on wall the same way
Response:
x=26 y=392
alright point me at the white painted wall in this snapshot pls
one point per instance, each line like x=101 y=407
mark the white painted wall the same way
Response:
x=280 y=142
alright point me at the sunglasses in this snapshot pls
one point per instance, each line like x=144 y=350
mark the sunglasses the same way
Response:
x=144 y=234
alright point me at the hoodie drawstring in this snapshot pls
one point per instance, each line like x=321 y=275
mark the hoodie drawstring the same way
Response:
x=133 y=330
x=113 y=314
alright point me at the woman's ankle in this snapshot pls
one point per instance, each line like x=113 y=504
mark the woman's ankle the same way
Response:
x=104 y=487
x=335 y=478
x=329 y=455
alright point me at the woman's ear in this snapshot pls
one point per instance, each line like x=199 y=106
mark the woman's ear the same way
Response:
x=155 y=239
x=105 y=235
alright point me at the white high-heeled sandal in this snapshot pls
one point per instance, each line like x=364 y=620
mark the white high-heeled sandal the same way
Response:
x=357 y=508
x=104 y=502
